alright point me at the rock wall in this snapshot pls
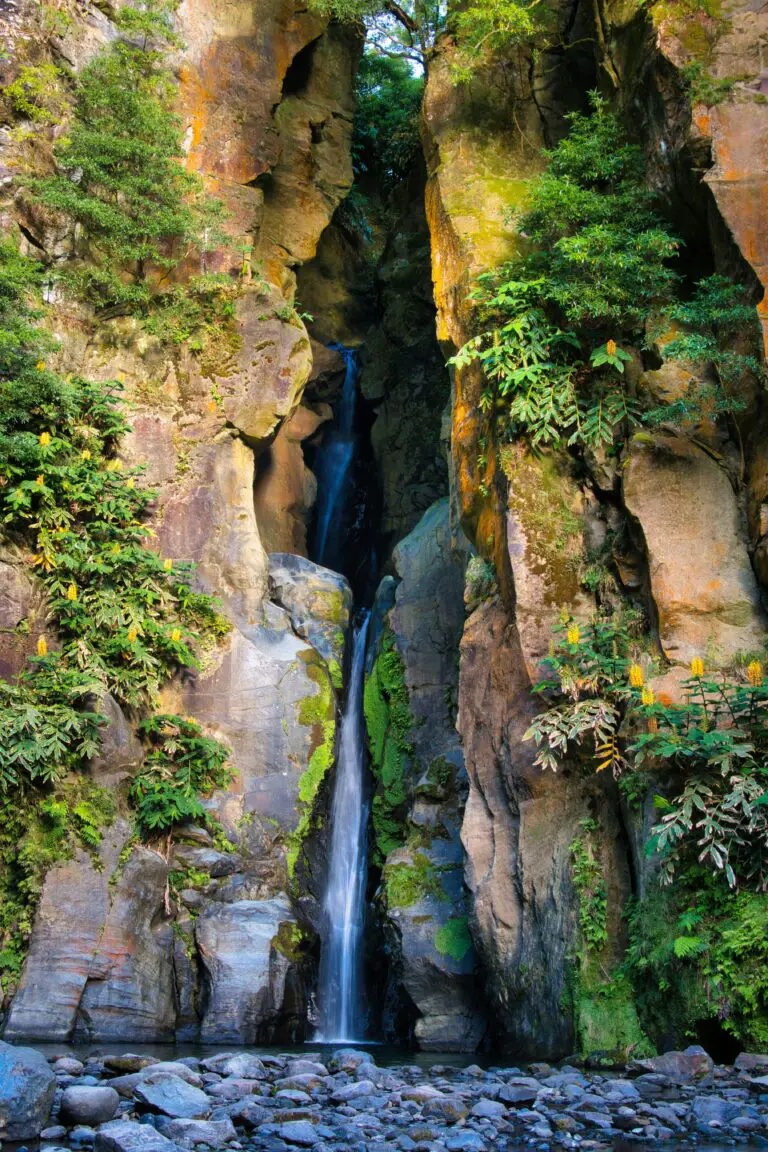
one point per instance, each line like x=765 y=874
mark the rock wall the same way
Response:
x=689 y=528
x=265 y=93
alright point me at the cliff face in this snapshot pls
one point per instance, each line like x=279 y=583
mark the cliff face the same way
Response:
x=265 y=93
x=474 y=900
x=693 y=545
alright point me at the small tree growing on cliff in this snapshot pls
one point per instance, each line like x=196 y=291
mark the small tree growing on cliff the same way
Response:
x=121 y=179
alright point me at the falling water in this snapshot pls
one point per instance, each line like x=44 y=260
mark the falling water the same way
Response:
x=344 y=910
x=335 y=462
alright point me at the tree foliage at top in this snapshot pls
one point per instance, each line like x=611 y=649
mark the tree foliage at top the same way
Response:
x=386 y=142
x=121 y=178
x=483 y=30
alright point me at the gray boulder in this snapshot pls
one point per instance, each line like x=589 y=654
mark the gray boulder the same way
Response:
x=27 y=1088
x=174 y=1097
x=89 y=1105
x=300 y=1132
x=690 y=1066
x=191 y=1132
x=128 y=1136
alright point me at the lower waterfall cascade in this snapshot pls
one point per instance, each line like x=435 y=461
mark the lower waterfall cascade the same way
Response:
x=341 y=983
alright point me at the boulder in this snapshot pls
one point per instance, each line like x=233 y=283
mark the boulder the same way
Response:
x=128 y=1136
x=319 y=602
x=89 y=1104
x=27 y=1088
x=173 y=1097
x=245 y=973
x=688 y=1067
x=214 y=1133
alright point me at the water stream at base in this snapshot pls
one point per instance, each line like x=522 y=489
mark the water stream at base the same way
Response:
x=341 y=975
x=337 y=456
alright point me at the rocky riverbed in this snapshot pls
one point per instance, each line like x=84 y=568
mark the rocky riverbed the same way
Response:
x=344 y=1100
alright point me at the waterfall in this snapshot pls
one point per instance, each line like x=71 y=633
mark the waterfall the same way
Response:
x=334 y=465
x=344 y=909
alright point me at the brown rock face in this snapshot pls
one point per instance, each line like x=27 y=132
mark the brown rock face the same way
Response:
x=702 y=583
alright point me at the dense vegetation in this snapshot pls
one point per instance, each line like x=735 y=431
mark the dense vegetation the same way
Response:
x=122 y=619
x=135 y=214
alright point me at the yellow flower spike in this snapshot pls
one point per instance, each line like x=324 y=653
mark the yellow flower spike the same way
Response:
x=40 y=365
x=573 y=634
x=653 y=725
x=133 y=634
x=130 y=482
x=45 y=438
x=42 y=646
x=635 y=676
x=697 y=667
x=85 y=454
x=176 y=635
x=39 y=481
x=755 y=674
x=168 y=565
x=647 y=697
x=72 y=592
x=611 y=347
x=118 y=465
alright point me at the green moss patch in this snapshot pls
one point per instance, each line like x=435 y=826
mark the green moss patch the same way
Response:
x=389 y=721
x=453 y=939
x=317 y=711
x=407 y=884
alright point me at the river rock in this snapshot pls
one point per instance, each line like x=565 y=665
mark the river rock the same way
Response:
x=89 y=1105
x=27 y=1088
x=173 y=1096
x=128 y=1136
x=692 y=1065
x=299 y=1132
x=190 y=1132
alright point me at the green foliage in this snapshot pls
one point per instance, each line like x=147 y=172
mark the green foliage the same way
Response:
x=700 y=952
x=720 y=333
x=588 y=689
x=599 y=264
x=487 y=31
x=453 y=938
x=181 y=765
x=704 y=87
x=589 y=882
x=385 y=141
x=389 y=721
x=38 y=94
x=407 y=884
x=37 y=830
x=121 y=179
x=605 y=1014
x=715 y=743
x=124 y=619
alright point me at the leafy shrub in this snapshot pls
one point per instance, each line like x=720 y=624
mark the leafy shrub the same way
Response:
x=700 y=952
x=121 y=179
x=181 y=765
x=385 y=141
x=124 y=618
x=38 y=94
x=589 y=882
x=549 y=320
x=715 y=743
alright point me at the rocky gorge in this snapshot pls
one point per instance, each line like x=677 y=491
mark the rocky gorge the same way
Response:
x=510 y=910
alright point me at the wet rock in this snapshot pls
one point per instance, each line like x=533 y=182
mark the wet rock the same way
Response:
x=191 y=1132
x=448 y=1109
x=129 y=1062
x=87 y=1105
x=27 y=1088
x=128 y=1136
x=173 y=1096
x=299 y=1132
x=488 y=1110
x=751 y=1062
x=690 y=1066
x=245 y=973
x=319 y=602
x=354 y=1091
